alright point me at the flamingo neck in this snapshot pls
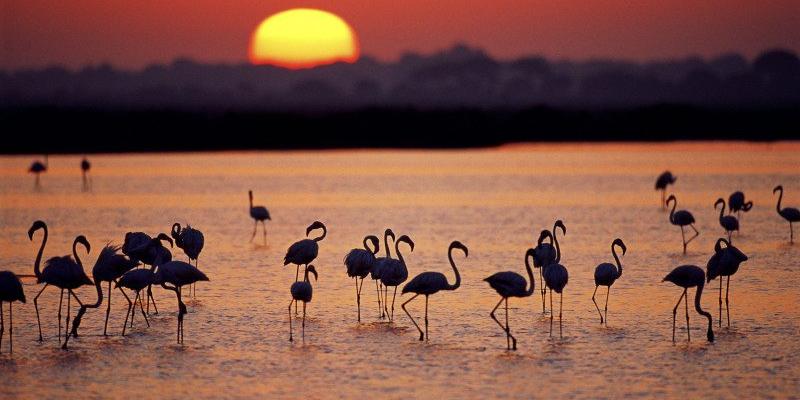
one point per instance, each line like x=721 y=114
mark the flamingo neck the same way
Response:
x=386 y=245
x=455 y=270
x=722 y=210
x=36 y=270
x=324 y=233
x=780 y=197
x=698 y=294
x=399 y=255
x=528 y=254
x=75 y=253
x=616 y=258
x=672 y=212
x=558 y=247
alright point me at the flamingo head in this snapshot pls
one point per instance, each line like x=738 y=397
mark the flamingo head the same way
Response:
x=560 y=224
x=315 y=225
x=164 y=237
x=621 y=245
x=376 y=243
x=389 y=233
x=82 y=240
x=313 y=270
x=406 y=239
x=458 y=245
x=777 y=189
x=544 y=235
x=176 y=230
x=718 y=202
x=672 y=198
x=35 y=227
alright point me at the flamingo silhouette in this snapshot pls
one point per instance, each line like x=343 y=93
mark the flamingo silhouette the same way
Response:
x=191 y=241
x=428 y=283
x=606 y=274
x=724 y=262
x=259 y=214
x=556 y=277
x=682 y=218
x=85 y=167
x=109 y=267
x=304 y=251
x=727 y=222
x=689 y=276
x=394 y=273
x=664 y=180
x=301 y=291
x=179 y=274
x=790 y=214
x=736 y=204
x=545 y=253
x=37 y=225
x=359 y=263
x=136 y=280
x=10 y=291
x=149 y=252
x=37 y=168
x=511 y=284
x=377 y=268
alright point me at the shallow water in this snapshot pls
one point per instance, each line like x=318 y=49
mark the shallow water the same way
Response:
x=495 y=201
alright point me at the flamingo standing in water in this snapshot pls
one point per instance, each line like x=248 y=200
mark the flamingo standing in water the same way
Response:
x=545 y=253
x=10 y=291
x=682 y=218
x=664 y=180
x=790 y=214
x=305 y=251
x=259 y=214
x=556 y=277
x=85 y=167
x=301 y=291
x=109 y=267
x=728 y=222
x=428 y=283
x=359 y=263
x=136 y=280
x=191 y=241
x=37 y=168
x=724 y=262
x=606 y=274
x=150 y=252
x=377 y=268
x=511 y=284
x=394 y=273
x=179 y=274
x=689 y=276
x=736 y=204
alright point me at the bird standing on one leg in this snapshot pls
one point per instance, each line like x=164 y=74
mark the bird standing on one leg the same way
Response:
x=682 y=218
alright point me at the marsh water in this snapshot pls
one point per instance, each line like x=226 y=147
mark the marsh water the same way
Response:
x=493 y=200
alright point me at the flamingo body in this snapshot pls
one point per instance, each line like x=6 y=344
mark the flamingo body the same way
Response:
x=11 y=287
x=508 y=284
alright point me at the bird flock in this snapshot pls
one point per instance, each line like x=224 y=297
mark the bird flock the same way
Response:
x=142 y=262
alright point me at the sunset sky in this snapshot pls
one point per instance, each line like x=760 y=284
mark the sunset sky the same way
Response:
x=130 y=35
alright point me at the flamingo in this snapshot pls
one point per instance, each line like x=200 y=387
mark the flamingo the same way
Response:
x=556 y=277
x=306 y=250
x=511 y=284
x=359 y=263
x=688 y=276
x=191 y=241
x=179 y=274
x=790 y=214
x=545 y=253
x=150 y=252
x=259 y=214
x=394 y=272
x=37 y=168
x=736 y=204
x=10 y=291
x=606 y=274
x=35 y=227
x=301 y=291
x=724 y=262
x=727 y=222
x=377 y=268
x=428 y=283
x=85 y=167
x=681 y=218
x=67 y=274
x=664 y=180
x=136 y=280
x=109 y=267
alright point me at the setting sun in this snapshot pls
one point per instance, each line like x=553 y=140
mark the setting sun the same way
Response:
x=303 y=38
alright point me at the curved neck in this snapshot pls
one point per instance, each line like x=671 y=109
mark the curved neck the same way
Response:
x=397 y=250
x=699 y=309
x=780 y=197
x=251 y=200
x=558 y=248
x=721 y=210
x=75 y=253
x=36 y=270
x=324 y=232
x=530 y=273
x=616 y=258
x=99 y=295
x=386 y=245
x=455 y=270
x=672 y=212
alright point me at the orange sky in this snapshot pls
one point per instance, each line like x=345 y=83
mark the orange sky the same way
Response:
x=131 y=34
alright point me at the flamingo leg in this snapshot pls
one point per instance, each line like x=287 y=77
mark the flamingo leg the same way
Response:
x=696 y=233
x=544 y=292
x=66 y=321
x=491 y=314
x=2 y=326
x=264 y=225
x=560 y=315
x=36 y=306
x=426 y=318
x=386 y=301
x=108 y=310
x=255 y=228
x=391 y=318
x=378 y=291
x=508 y=330
x=606 y=309
x=551 y=313
x=133 y=313
x=290 y=320
x=358 y=301
x=720 y=302
x=727 y=305
x=675 y=313
x=141 y=308
x=403 y=306
x=60 y=304
x=303 y=331
x=791 y=232
x=595 y=304
x=296 y=277
x=150 y=297
x=683 y=238
x=688 y=331
x=180 y=313
x=10 y=327
x=128 y=313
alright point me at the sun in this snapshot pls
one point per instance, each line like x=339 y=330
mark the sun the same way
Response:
x=303 y=38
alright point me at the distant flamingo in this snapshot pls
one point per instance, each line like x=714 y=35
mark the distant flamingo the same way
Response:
x=359 y=263
x=511 y=284
x=664 y=180
x=37 y=168
x=736 y=204
x=109 y=267
x=10 y=291
x=304 y=251
x=136 y=280
x=179 y=274
x=727 y=222
x=380 y=262
x=428 y=283
x=688 y=276
x=301 y=291
x=259 y=214
x=682 y=218
x=394 y=273
x=606 y=274
x=556 y=277
x=724 y=262
x=545 y=253
x=790 y=214
x=85 y=167
x=191 y=241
